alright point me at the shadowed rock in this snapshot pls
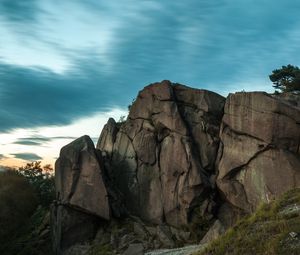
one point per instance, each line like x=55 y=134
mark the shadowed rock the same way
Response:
x=70 y=226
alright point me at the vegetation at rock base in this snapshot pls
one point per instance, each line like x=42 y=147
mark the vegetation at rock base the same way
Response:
x=274 y=230
x=17 y=202
x=41 y=179
x=25 y=197
x=286 y=79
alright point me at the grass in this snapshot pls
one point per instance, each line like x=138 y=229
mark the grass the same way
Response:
x=266 y=232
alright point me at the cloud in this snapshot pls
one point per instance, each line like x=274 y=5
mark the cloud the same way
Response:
x=115 y=48
x=27 y=156
x=30 y=143
x=2 y=156
x=38 y=97
x=19 y=11
x=36 y=139
x=40 y=141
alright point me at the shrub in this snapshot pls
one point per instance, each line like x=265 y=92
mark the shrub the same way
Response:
x=18 y=200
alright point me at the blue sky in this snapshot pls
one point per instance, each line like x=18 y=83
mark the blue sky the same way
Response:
x=69 y=62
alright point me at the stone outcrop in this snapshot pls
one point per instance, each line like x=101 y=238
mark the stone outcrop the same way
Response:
x=107 y=138
x=163 y=155
x=79 y=178
x=184 y=160
x=259 y=153
x=82 y=197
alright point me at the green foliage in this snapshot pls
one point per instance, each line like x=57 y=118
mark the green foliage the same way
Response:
x=24 y=226
x=18 y=200
x=286 y=78
x=41 y=179
x=265 y=232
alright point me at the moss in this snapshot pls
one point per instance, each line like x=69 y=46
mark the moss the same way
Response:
x=264 y=232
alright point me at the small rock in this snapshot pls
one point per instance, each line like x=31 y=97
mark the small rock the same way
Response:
x=213 y=233
x=180 y=234
x=77 y=250
x=151 y=230
x=140 y=230
x=134 y=249
x=126 y=240
x=293 y=234
x=165 y=236
x=44 y=233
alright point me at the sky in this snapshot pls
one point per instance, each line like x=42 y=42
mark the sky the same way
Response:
x=66 y=66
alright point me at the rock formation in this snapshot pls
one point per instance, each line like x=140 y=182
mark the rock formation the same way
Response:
x=185 y=159
x=79 y=178
x=259 y=156
x=81 y=193
x=162 y=156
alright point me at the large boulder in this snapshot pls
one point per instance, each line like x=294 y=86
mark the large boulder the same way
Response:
x=259 y=156
x=164 y=153
x=82 y=197
x=79 y=178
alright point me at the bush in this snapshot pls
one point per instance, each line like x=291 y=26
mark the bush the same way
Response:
x=18 y=200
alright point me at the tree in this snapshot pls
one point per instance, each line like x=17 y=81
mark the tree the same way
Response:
x=286 y=78
x=18 y=200
x=41 y=179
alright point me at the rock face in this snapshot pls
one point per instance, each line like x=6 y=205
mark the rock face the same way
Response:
x=163 y=155
x=79 y=178
x=259 y=157
x=81 y=193
x=108 y=137
x=183 y=159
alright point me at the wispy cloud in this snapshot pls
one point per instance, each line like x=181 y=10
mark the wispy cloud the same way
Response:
x=28 y=142
x=35 y=97
x=27 y=156
x=20 y=11
x=40 y=141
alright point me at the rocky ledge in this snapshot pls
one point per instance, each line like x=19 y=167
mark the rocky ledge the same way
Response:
x=183 y=167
